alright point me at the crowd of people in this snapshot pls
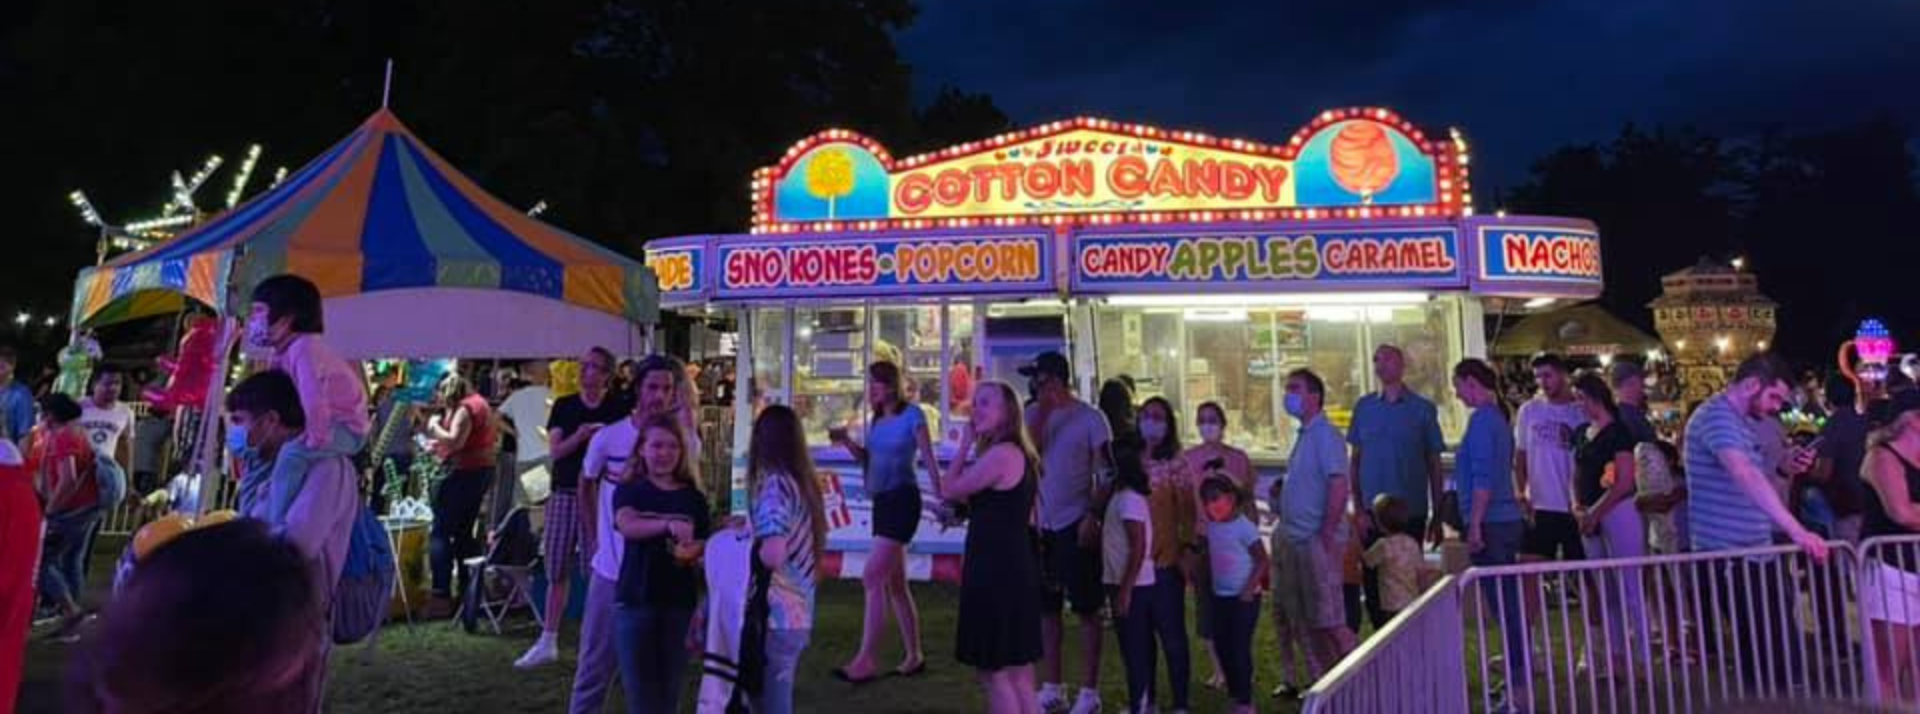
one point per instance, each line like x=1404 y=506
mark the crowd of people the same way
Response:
x=1083 y=518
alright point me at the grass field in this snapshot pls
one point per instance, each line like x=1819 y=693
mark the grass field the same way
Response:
x=437 y=667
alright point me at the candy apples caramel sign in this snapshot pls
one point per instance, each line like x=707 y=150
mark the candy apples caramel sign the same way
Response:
x=1351 y=163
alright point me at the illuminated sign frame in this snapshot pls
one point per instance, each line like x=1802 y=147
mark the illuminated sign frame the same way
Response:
x=885 y=264
x=842 y=165
x=1249 y=258
x=1566 y=252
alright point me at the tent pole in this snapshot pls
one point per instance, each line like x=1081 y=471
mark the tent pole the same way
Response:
x=206 y=450
x=386 y=87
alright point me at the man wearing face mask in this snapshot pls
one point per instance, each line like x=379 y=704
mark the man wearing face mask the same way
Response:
x=1395 y=435
x=1311 y=537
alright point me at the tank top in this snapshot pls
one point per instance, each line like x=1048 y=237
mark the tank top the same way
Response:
x=477 y=452
x=1877 y=522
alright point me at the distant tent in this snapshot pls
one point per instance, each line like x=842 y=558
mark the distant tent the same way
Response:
x=1582 y=331
x=414 y=258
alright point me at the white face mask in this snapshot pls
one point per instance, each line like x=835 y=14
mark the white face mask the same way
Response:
x=1153 y=430
x=1212 y=433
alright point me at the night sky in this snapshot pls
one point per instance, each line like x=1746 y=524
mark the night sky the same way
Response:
x=1520 y=77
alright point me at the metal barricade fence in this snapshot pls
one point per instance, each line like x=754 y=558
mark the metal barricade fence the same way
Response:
x=1406 y=666
x=1653 y=634
x=1889 y=617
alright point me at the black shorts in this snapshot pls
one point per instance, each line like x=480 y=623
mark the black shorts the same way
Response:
x=1069 y=573
x=1554 y=536
x=896 y=514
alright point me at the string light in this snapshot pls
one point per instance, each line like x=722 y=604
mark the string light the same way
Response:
x=87 y=213
x=538 y=208
x=153 y=226
x=22 y=318
x=51 y=321
x=246 y=173
x=279 y=174
x=183 y=189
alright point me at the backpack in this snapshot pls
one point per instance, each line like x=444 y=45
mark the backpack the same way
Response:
x=365 y=587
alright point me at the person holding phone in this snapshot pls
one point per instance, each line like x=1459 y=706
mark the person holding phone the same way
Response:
x=897 y=434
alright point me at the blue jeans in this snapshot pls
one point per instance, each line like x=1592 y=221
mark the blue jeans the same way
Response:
x=652 y=646
x=783 y=661
x=63 y=574
x=1501 y=546
x=1233 y=624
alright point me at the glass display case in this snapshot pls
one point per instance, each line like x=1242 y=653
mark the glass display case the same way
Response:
x=1238 y=351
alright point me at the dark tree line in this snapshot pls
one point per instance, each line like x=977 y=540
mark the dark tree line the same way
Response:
x=1826 y=218
x=631 y=119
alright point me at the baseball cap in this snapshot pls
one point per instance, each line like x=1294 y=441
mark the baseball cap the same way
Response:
x=1049 y=363
x=1623 y=371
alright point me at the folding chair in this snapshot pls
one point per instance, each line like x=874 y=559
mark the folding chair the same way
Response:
x=501 y=580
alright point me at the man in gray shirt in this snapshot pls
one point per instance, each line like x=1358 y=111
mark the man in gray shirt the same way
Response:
x=1073 y=439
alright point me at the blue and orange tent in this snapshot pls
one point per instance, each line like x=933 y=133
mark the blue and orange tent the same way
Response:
x=414 y=258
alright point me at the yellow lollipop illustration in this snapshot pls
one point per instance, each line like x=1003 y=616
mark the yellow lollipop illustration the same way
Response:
x=830 y=176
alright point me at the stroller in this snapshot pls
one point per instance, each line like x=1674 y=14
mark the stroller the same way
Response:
x=501 y=580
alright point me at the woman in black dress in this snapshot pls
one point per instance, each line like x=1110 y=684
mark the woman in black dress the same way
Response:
x=999 y=628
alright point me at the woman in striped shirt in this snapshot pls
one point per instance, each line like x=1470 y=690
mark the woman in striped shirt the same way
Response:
x=790 y=521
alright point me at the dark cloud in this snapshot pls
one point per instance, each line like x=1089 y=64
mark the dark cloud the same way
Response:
x=1520 y=77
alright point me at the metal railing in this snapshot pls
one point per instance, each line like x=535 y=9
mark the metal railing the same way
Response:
x=1889 y=618
x=1652 y=634
x=1395 y=671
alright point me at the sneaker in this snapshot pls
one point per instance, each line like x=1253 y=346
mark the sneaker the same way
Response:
x=69 y=631
x=1051 y=701
x=1287 y=691
x=542 y=653
x=1087 y=703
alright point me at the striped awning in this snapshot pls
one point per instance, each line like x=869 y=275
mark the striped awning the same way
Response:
x=378 y=211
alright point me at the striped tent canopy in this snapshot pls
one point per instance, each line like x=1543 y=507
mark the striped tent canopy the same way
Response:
x=378 y=212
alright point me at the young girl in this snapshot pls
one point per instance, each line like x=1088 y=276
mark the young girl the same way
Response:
x=1239 y=563
x=664 y=519
x=1173 y=514
x=1214 y=455
x=1396 y=555
x=287 y=319
x=998 y=633
x=898 y=434
x=1125 y=540
x=789 y=518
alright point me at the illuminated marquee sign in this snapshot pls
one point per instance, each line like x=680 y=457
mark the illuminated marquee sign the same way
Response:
x=677 y=270
x=1230 y=260
x=888 y=265
x=1539 y=254
x=1348 y=163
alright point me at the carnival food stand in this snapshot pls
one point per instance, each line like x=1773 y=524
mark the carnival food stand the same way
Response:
x=1203 y=268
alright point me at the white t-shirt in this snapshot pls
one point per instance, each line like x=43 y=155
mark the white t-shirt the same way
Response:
x=1126 y=505
x=608 y=453
x=1545 y=430
x=106 y=427
x=528 y=409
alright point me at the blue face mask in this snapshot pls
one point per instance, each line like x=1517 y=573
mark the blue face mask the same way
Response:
x=1296 y=405
x=236 y=438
